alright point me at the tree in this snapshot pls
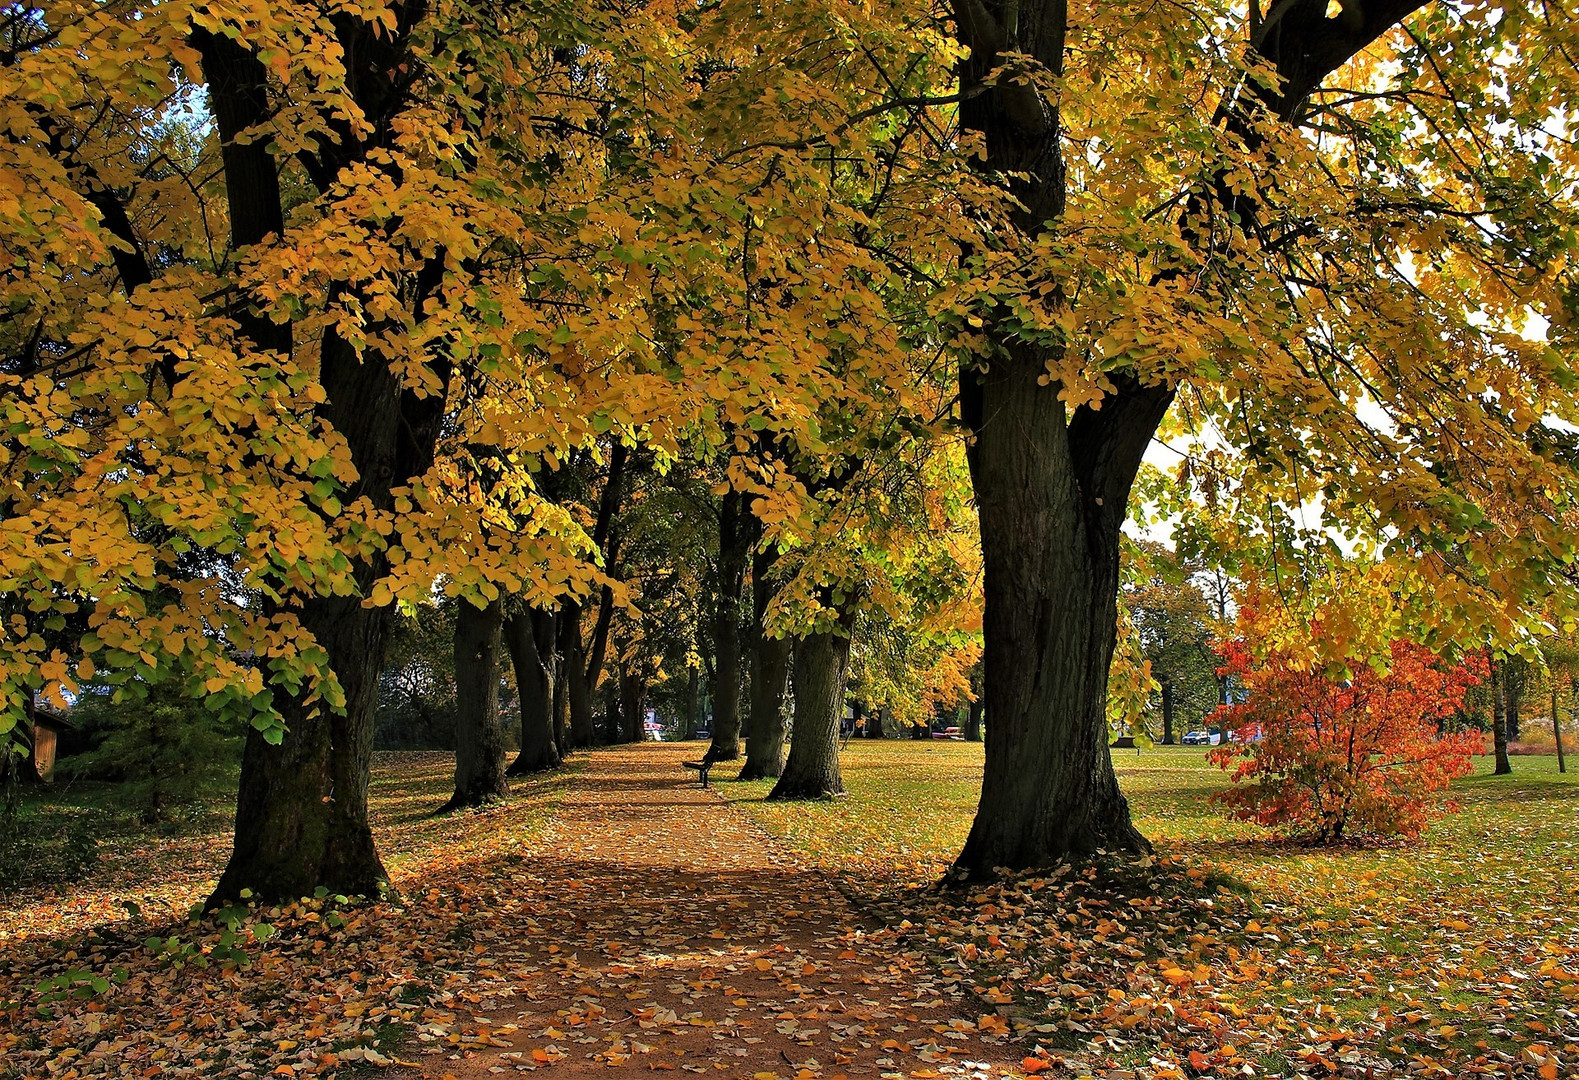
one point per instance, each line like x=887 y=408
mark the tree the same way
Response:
x=1239 y=252
x=167 y=750
x=1174 y=623
x=1333 y=758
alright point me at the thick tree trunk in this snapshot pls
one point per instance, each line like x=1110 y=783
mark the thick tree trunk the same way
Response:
x=301 y=811
x=812 y=770
x=527 y=634
x=1051 y=496
x=765 y=740
x=1499 y=720
x=973 y=720
x=479 y=737
x=733 y=549
x=1167 y=712
x=1052 y=483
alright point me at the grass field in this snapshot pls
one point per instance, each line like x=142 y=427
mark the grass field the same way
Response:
x=1458 y=952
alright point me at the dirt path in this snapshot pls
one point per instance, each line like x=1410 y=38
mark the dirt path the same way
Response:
x=675 y=934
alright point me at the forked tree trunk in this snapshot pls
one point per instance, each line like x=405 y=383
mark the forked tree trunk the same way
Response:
x=733 y=549
x=821 y=663
x=1499 y=720
x=526 y=634
x=1051 y=495
x=301 y=809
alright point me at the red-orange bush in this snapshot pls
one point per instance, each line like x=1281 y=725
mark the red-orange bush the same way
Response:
x=1331 y=759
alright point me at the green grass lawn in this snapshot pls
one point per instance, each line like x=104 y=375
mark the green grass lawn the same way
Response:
x=1460 y=948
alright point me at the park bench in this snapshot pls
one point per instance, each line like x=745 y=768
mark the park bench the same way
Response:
x=702 y=767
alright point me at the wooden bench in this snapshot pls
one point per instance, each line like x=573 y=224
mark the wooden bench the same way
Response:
x=702 y=767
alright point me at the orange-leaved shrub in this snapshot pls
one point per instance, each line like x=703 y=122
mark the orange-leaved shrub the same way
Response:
x=1330 y=758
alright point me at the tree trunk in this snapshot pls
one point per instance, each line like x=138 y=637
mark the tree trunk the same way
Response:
x=973 y=720
x=812 y=770
x=633 y=705
x=562 y=708
x=1515 y=679
x=578 y=694
x=1499 y=721
x=1557 y=725
x=527 y=634
x=479 y=737
x=693 y=703
x=873 y=729
x=1051 y=498
x=765 y=740
x=733 y=549
x=1167 y=712
x=301 y=808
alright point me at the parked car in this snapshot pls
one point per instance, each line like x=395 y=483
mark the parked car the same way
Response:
x=1201 y=738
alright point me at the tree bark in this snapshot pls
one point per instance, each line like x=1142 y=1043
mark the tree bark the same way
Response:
x=821 y=663
x=765 y=740
x=1499 y=720
x=479 y=737
x=530 y=638
x=578 y=693
x=973 y=720
x=733 y=549
x=1167 y=712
